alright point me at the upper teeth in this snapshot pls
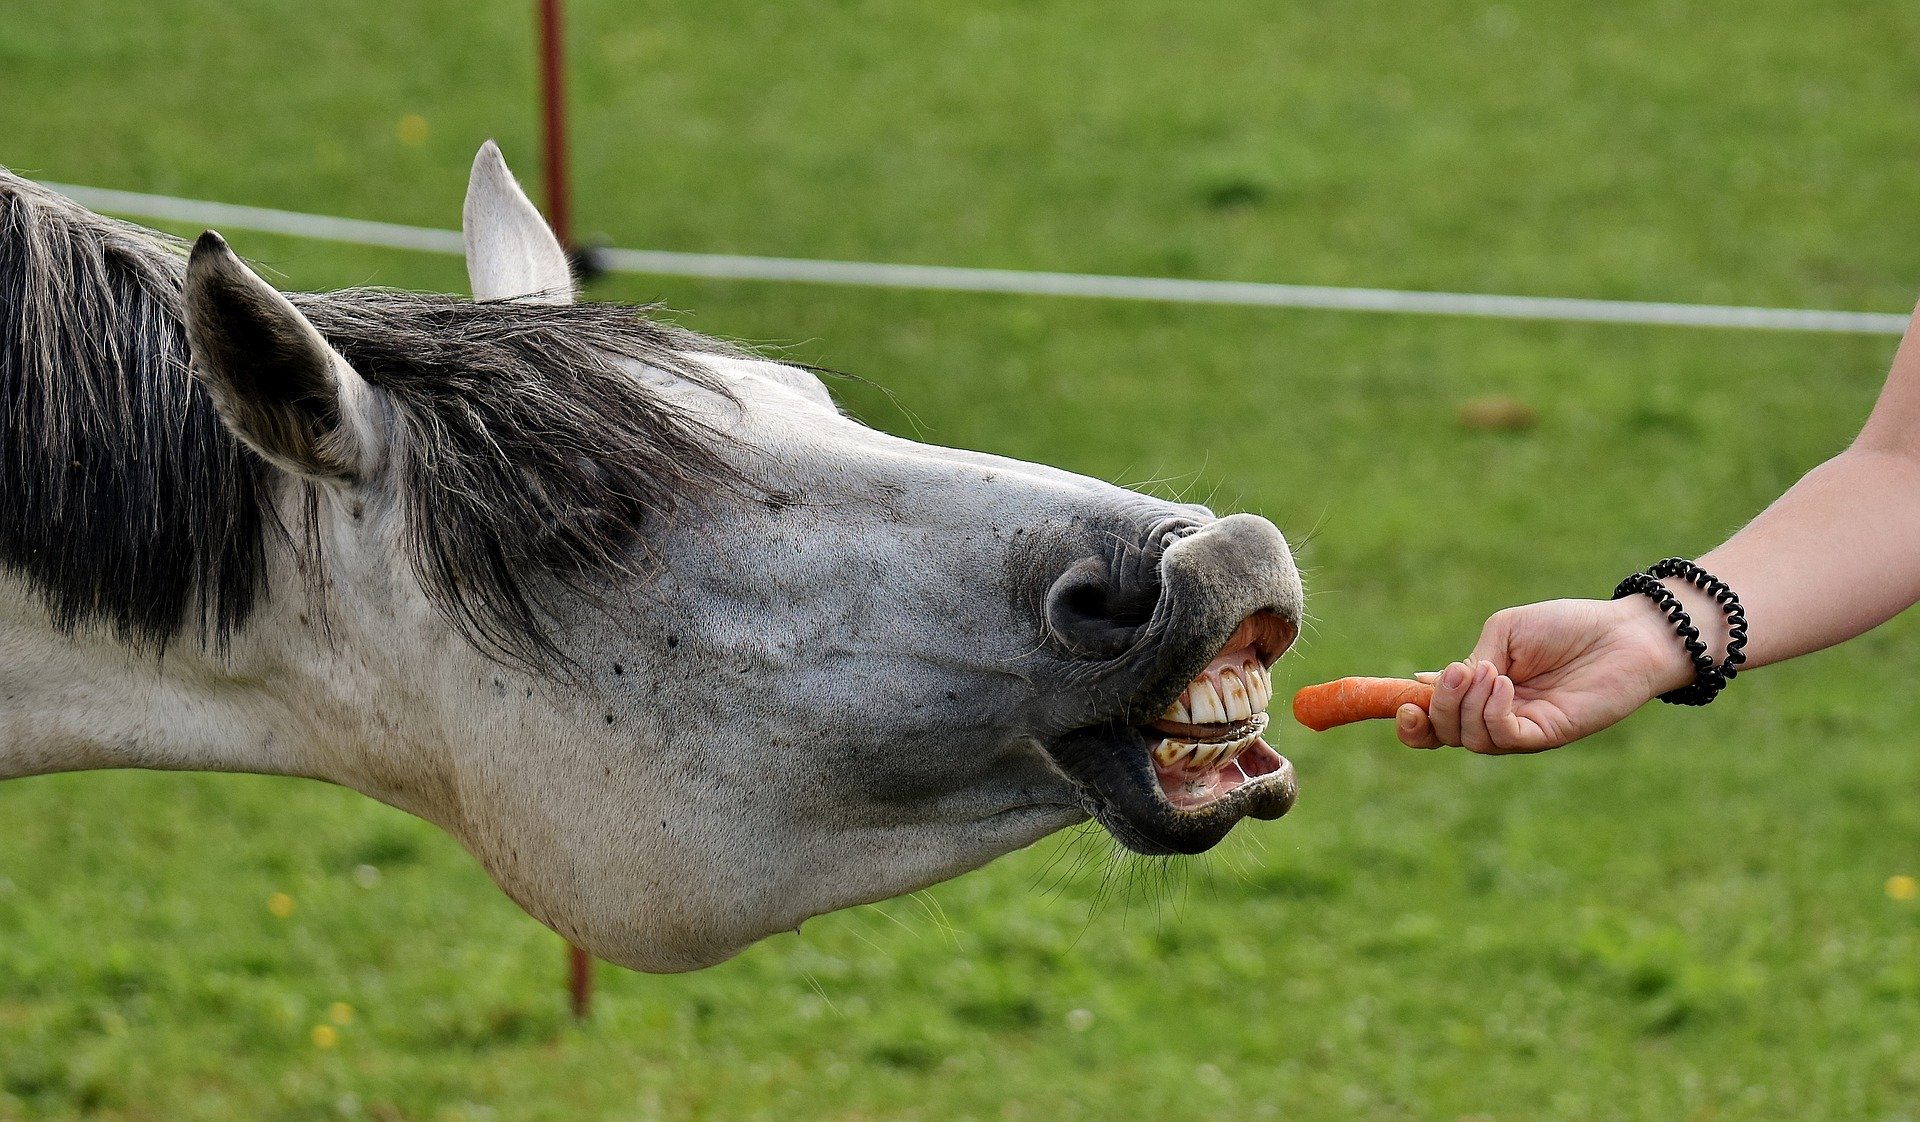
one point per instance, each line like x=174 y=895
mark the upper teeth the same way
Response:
x=1204 y=702
x=1228 y=690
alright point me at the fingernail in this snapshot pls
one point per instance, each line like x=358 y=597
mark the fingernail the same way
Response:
x=1455 y=676
x=1409 y=714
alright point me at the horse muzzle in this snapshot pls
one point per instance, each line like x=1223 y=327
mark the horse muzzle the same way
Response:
x=1186 y=758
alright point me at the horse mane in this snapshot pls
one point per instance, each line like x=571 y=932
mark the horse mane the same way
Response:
x=525 y=458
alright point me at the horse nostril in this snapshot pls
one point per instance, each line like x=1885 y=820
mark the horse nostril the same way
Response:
x=1181 y=528
x=1092 y=613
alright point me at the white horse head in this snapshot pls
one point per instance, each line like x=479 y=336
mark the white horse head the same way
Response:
x=680 y=652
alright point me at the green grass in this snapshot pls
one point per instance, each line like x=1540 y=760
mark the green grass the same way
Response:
x=1684 y=918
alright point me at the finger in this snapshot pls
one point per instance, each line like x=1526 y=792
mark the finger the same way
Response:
x=1414 y=729
x=1492 y=646
x=1473 y=709
x=1444 y=710
x=1427 y=676
x=1504 y=729
x=1511 y=733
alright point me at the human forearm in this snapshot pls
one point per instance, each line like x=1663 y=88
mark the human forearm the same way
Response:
x=1839 y=553
x=1835 y=556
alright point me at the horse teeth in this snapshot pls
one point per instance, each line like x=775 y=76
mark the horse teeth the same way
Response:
x=1207 y=709
x=1259 y=686
x=1233 y=694
x=1203 y=762
x=1232 y=688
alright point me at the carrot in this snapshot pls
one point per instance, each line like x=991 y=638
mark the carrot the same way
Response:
x=1332 y=704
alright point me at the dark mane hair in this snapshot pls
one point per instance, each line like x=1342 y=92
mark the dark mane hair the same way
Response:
x=525 y=458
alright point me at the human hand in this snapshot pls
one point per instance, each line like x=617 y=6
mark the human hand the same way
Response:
x=1547 y=674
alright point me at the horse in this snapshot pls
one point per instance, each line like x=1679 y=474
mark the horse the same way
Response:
x=680 y=652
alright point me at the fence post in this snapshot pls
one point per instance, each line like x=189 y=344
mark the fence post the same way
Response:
x=553 y=96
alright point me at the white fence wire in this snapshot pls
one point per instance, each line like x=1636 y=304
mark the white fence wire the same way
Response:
x=1007 y=281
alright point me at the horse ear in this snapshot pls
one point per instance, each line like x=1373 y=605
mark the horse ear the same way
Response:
x=511 y=253
x=275 y=382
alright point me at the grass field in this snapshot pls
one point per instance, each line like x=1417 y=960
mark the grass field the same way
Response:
x=1688 y=917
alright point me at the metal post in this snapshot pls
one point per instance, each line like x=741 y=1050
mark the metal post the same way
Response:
x=553 y=88
x=553 y=91
x=579 y=982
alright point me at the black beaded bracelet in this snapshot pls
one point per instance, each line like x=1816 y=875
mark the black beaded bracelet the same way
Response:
x=1709 y=678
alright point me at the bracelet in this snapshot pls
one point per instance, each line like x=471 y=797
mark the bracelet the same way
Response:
x=1707 y=681
x=1709 y=678
x=1724 y=596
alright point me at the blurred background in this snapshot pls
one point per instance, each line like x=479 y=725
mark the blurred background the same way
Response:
x=1704 y=915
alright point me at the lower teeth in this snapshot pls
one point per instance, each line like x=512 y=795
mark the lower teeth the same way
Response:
x=1171 y=753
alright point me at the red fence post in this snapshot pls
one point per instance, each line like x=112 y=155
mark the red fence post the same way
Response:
x=553 y=91
x=579 y=982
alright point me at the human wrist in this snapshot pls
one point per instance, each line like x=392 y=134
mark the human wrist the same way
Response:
x=1706 y=614
x=1715 y=650
x=1664 y=661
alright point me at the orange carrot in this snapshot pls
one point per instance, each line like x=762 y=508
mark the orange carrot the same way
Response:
x=1332 y=704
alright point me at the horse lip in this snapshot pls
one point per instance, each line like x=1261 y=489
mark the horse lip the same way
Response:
x=1266 y=632
x=1113 y=768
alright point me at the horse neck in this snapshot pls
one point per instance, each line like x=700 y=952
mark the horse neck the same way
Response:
x=85 y=700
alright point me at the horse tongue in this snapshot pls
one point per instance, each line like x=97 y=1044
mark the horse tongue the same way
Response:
x=1192 y=775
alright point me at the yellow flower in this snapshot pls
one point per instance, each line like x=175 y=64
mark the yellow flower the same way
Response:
x=280 y=904
x=325 y=1036
x=412 y=130
x=1902 y=887
x=340 y=1013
